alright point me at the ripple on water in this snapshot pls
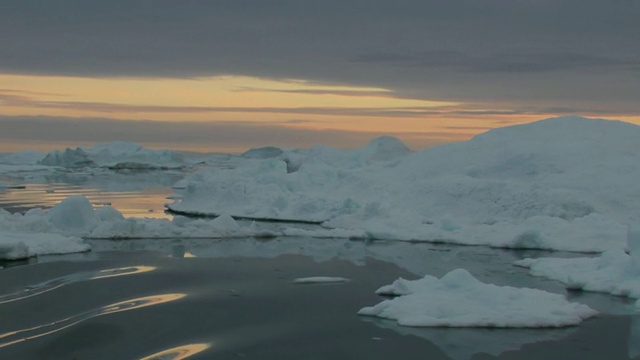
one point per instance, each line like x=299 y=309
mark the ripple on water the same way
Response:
x=18 y=336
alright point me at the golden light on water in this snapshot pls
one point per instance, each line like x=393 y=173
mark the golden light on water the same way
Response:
x=18 y=336
x=130 y=270
x=129 y=203
x=179 y=352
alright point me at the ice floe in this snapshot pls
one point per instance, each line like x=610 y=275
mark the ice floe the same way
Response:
x=460 y=300
x=14 y=246
x=614 y=272
x=320 y=280
x=75 y=218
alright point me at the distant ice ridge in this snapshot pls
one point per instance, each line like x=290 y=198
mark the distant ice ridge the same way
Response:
x=460 y=300
x=117 y=155
x=563 y=184
x=61 y=229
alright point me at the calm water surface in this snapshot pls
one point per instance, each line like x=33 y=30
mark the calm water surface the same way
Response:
x=137 y=194
x=228 y=299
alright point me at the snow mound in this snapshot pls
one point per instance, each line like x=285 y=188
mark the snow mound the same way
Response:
x=561 y=183
x=460 y=300
x=267 y=152
x=74 y=214
x=116 y=155
x=384 y=148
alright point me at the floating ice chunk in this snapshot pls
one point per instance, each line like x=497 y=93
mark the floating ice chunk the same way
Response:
x=320 y=280
x=613 y=272
x=11 y=249
x=460 y=300
x=15 y=246
x=74 y=214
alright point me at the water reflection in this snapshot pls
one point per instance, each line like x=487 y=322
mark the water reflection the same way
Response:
x=463 y=343
x=39 y=289
x=178 y=352
x=634 y=338
x=486 y=264
x=147 y=202
x=18 y=336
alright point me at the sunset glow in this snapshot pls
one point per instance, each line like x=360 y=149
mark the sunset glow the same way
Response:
x=287 y=103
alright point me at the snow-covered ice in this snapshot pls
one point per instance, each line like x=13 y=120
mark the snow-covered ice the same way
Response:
x=75 y=218
x=558 y=184
x=14 y=246
x=614 y=272
x=460 y=300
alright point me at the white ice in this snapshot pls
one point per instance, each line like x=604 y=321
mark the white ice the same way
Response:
x=117 y=155
x=14 y=246
x=460 y=300
x=558 y=184
x=614 y=272
x=75 y=218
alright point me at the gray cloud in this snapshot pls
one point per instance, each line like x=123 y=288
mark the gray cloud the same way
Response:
x=565 y=51
x=26 y=99
x=503 y=63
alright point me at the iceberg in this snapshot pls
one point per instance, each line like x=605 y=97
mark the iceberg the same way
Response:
x=460 y=300
x=116 y=155
x=556 y=184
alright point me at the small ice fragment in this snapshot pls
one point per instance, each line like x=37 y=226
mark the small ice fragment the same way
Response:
x=320 y=280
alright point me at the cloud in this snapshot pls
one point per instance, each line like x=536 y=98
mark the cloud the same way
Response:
x=458 y=50
x=501 y=62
